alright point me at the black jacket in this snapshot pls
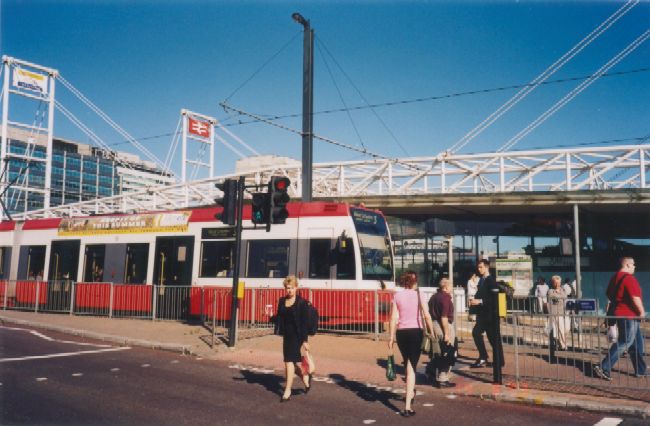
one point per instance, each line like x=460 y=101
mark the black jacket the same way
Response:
x=299 y=316
x=485 y=311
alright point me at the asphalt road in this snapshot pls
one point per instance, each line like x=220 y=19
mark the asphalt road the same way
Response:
x=51 y=378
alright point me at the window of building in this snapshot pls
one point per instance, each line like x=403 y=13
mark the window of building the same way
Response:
x=268 y=259
x=217 y=259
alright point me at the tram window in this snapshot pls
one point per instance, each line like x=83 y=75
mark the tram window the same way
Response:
x=319 y=258
x=268 y=259
x=35 y=262
x=137 y=257
x=216 y=259
x=94 y=263
x=345 y=268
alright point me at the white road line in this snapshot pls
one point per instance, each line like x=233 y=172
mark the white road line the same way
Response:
x=145 y=365
x=175 y=361
x=115 y=370
x=41 y=379
x=369 y=421
x=609 y=421
x=51 y=339
x=77 y=374
x=428 y=404
x=63 y=354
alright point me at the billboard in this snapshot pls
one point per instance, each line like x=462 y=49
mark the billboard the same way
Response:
x=30 y=81
x=150 y=222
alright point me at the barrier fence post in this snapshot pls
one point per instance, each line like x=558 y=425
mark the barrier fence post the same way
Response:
x=72 y=297
x=214 y=316
x=516 y=342
x=6 y=293
x=253 y=294
x=38 y=296
x=111 y=301
x=154 y=302
x=202 y=314
x=376 y=314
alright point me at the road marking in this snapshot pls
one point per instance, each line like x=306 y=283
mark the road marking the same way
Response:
x=369 y=421
x=115 y=370
x=175 y=361
x=41 y=379
x=609 y=421
x=77 y=374
x=145 y=365
x=428 y=404
x=51 y=339
x=451 y=396
x=63 y=354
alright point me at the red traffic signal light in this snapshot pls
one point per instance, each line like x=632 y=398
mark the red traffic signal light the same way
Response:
x=279 y=197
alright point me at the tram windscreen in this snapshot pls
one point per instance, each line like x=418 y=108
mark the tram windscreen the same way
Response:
x=374 y=244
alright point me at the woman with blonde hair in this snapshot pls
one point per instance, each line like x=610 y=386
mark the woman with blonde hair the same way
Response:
x=291 y=324
x=407 y=311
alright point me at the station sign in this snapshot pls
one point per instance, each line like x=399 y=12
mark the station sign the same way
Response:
x=198 y=127
x=581 y=305
x=30 y=81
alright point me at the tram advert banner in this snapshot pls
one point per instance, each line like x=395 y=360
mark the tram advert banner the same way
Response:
x=151 y=222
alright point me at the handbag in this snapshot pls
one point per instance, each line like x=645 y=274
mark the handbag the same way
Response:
x=427 y=339
x=390 y=368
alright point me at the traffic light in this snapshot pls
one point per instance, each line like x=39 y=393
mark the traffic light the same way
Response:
x=278 y=197
x=260 y=205
x=229 y=201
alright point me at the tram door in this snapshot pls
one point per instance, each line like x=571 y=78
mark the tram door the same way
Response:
x=64 y=261
x=173 y=276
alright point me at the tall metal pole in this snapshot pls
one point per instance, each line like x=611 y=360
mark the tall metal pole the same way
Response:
x=234 y=307
x=576 y=249
x=307 y=105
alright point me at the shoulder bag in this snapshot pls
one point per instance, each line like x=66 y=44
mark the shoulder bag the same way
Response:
x=427 y=338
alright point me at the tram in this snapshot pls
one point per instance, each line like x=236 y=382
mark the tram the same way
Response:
x=330 y=247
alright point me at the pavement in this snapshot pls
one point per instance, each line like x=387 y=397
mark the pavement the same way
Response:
x=342 y=357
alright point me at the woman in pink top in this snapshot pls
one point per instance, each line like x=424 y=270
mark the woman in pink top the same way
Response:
x=406 y=327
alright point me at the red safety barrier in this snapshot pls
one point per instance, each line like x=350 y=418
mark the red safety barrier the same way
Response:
x=92 y=296
x=26 y=292
x=132 y=298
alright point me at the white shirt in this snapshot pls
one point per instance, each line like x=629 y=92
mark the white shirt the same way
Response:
x=567 y=289
x=541 y=290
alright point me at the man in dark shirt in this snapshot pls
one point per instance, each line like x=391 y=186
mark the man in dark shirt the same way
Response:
x=441 y=308
x=484 y=305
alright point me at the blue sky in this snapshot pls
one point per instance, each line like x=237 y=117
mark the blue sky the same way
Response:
x=142 y=61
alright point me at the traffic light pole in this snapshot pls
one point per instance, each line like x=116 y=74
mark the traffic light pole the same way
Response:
x=234 y=307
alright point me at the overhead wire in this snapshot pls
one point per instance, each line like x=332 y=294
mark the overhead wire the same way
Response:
x=552 y=69
x=575 y=92
x=372 y=109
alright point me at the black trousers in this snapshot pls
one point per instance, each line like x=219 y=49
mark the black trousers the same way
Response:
x=486 y=327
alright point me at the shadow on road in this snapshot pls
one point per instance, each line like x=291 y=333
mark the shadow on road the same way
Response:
x=364 y=392
x=271 y=382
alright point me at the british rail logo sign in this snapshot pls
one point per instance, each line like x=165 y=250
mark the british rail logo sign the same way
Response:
x=153 y=222
x=198 y=128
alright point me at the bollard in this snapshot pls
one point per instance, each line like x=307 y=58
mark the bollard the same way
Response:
x=72 y=297
x=376 y=315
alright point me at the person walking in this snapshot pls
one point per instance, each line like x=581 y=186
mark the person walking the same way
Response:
x=556 y=307
x=405 y=327
x=472 y=287
x=624 y=292
x=441 y=309
x=291 y=324
x=484 y=307
x=541 y=290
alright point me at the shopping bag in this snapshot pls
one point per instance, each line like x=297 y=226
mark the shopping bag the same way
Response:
x=390 y=368
x=304 y=365
x=612 y=333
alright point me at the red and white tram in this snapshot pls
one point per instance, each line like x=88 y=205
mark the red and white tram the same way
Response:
x=331 y=247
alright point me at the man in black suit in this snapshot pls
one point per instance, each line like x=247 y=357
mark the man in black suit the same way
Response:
x=483 y=304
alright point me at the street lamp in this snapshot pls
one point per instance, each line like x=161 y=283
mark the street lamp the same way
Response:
x=307 y=105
